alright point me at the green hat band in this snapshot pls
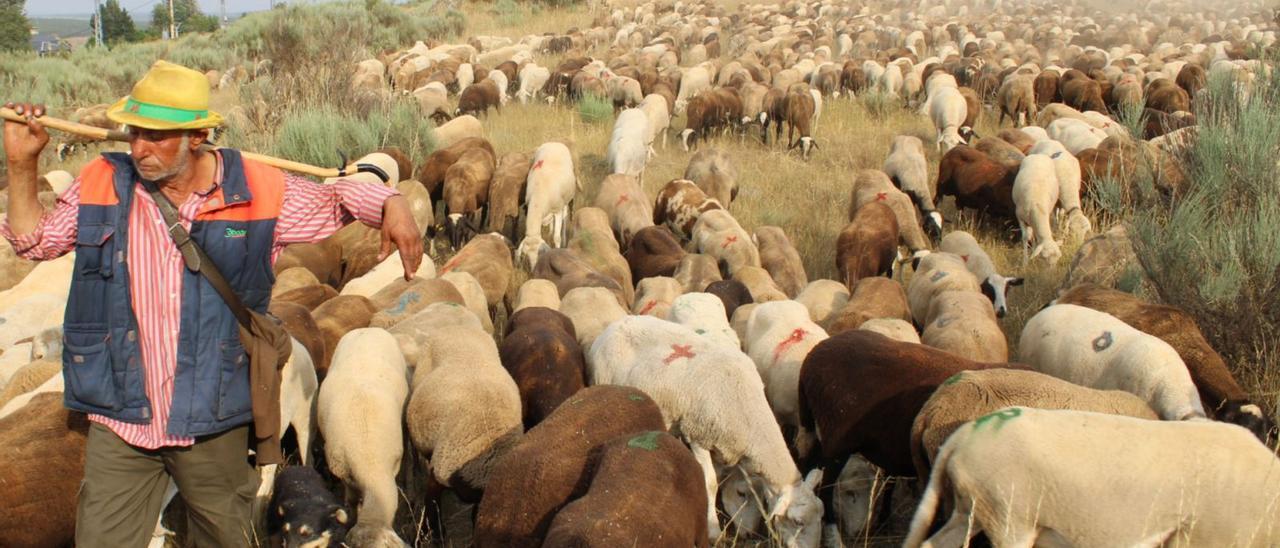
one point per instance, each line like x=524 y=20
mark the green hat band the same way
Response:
x=161 y=112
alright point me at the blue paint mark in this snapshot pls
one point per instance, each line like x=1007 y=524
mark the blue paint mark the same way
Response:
x=403 y=303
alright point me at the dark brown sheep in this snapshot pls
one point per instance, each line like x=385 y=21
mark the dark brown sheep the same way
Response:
x=1046 y=87
x=466 y=191
x=1165 y=95
x=645 y=490
x=478 y=98
x=800 y=108
x=1156 y=123
x=506 y=193
x=323 y=258
x=732 y=293
x=868 y=245
x=511 y=69
x=1081 y=92
x=546 y=468
x=1219 y=391
x=862 y=390
x=42 y=445
x=653 y=251
x=335 y=318
x=301 y=326
x=542 y=353
x=709 y=111
x=774 y=113
x=976 y=181
x=431 y=172
x=402 y=161
x=1018 y=138
x=1191 y=78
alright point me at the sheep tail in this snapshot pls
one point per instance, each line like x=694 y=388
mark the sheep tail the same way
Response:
x=932 y=495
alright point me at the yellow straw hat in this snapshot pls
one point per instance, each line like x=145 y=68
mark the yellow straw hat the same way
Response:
x=169 y=96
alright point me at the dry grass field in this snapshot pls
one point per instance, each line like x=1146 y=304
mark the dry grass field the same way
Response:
x=807 y=198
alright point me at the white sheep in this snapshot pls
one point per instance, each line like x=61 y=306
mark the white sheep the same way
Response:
x=713 y=395
x=1035 y=193
x=779 y=336
x=823 y=298
x=360 y=411
x=654 y=296
x=895 y=328
x=532 y=79
x=817 y=106
x=948 y=110
x=628 y=150
x=1030 y=476
x=1067 y=167
x=1075 y=135
x=692 y=82
x=655 y=107
x=907 y=168
x=387 y=271
x=500 y=78
x=963 y=323
x=1036 y=133
x=298 y=387
x=993 y=284
x=549 y=192
x=718 y=234
x=537 y=292
x=1095 y=349
x=704 y=313
x=48 y=277
x=465 y=408
x=936 y=273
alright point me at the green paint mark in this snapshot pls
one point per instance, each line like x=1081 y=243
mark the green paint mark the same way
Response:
x=1001 y=416
x=952 y=379
x=635 y=397
x=647 y=441
x=233 y=233
x=700 y=331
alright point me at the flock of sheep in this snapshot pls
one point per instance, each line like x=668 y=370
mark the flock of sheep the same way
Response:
x=666 y=377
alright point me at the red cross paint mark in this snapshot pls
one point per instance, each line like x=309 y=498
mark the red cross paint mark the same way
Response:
x=728 y=241
x=647 y=307
x=621 y=199
x=965 y=257
x=679 y=351
x=882 y=196
x=538 y=164
x=795 y=337
x=457 y=258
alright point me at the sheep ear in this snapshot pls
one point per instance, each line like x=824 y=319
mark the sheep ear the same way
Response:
x=1014 y=281
x=814 y=142
x=813 y=479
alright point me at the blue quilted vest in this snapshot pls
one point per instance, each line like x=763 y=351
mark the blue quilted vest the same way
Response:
x=102 y=360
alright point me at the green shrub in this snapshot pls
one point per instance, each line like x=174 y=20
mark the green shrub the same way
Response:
x=879 y=105
x=594 y=110
x=1214 y=250
x=314 y=135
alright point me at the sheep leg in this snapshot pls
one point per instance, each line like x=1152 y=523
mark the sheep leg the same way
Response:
x=956 y=532
x=703 y=457
x=1027 y=236
x=262 y=500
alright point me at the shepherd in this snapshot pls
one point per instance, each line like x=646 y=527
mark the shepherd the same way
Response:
x=174 y=247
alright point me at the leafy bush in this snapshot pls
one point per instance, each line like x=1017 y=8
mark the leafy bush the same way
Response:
x=1214 y=250
x=594 y=110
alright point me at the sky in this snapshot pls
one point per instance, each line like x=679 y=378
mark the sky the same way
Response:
x=49 y=8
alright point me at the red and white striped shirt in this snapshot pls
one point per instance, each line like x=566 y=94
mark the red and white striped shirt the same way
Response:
x=310 y=212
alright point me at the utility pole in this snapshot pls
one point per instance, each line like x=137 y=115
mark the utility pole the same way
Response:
x=97 y=23
x=222 y=4
x=173 y=25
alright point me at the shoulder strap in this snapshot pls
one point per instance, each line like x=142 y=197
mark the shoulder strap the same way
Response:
x=194 y=257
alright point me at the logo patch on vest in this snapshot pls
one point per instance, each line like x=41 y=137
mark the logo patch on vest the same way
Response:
x=233 y=233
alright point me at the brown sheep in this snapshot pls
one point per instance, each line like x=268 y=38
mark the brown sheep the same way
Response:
x=653 y=251
x=697 y=271
x=400 y=300
x=973 y=104
x=1046 y=87
x=323 y=259
x=302 y=327
x=871 y=298
x=774 y=113
x=1219 y=391
x=541 y=351
x=1001 y=151
x=715 y=174
x=478 y=98
x=1191 y=78
x=1165 y=95
x=732 y=293
x=1156 y=123
x=593 y=240
x=335 y=318
x=1081 y=92
x=643 y=490
x=511 y=69
x=800 y=109
x=42 y=445
x=487 y=258
x=710 y=110
x=863 y=390
x=431 y=172
x=868 y=245
x=781 y=260
x=679 y=204
x=972 y=394
x=506 y=193
x=308 y=297
x=852 y=78
x=569 y=270
x=403 y=166
x=977 y=181
x=545 y=469
x=1018 y=138
x=466 y=191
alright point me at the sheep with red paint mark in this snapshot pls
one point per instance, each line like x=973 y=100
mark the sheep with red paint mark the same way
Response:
x=718 y=234
x=624 y=201
x=779 y=336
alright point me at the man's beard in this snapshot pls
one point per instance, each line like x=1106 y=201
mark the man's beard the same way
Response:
x=184 y=158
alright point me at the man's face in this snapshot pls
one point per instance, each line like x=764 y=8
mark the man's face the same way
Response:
x=159 y=155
